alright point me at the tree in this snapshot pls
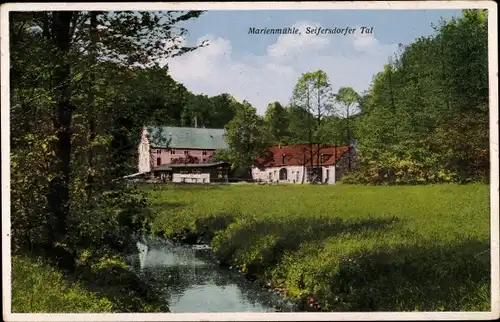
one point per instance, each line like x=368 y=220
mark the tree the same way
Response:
x=156 y=95
x=313 y=94
x=244 y=136
x=298 y=119
x=210 y=112
x=348 y=100
x=223 y=110
x=195 y=112
x=277 y=123
x=74 y=57
x=433 y=91
x=333 y=131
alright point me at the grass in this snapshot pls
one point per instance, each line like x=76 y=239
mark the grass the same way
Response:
x=107 y=286
x=344 y=248
x=39 y=288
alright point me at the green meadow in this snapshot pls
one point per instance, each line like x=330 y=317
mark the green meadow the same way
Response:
x=343 y=247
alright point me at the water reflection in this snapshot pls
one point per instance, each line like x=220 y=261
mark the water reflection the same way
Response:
x=192 y=282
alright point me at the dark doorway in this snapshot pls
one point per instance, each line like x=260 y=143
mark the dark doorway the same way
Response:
x=315 y=174
x=283 y=174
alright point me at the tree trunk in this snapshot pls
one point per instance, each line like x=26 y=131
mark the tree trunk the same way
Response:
x=91 y=103
x=318 y=125
x=309 y=125
x=304 y=167
x=335 y=159
x=59 y=187
x=348 y=140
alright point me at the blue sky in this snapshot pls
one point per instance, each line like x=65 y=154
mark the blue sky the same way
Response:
x=264 y=68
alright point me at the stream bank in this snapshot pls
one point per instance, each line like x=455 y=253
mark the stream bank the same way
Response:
x=192 y=280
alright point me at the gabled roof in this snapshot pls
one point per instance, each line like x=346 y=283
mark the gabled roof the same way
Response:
x=300 y=154
x=186 y=137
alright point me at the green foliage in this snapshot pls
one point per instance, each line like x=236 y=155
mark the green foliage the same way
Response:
x=299 y=120
x=155 y=95
x=352 y=248
x=425 y=117
x=210 y=112
x=79 y=99
x=347 y=97
x=244 y=137
x=278 y=124
x=348 y=100
x=38 y=288
x=333 y=130
x=313 y=94
x=83 y=84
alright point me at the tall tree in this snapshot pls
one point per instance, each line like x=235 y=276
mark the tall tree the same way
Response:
x=437 y=85
x=94 y=37
x=313 y=93
x=76 y=47
x=245 y=137
x=347 y=99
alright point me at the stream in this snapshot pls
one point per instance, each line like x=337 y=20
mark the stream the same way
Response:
x=191 y=281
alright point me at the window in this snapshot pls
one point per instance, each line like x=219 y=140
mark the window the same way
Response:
x=204 y=160
x=186 y=152
x=158 y=161
x=325 y=157
x=204 y=153
x=158 y=151
x=283 y=158
x=172 y=151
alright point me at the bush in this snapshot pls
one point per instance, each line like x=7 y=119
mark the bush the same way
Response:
x=357 y=177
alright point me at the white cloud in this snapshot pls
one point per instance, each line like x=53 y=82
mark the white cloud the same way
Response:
x=350 y=60
x=364 y=42
x=290 y=44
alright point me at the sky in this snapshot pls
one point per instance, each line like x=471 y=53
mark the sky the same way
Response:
x=264 y=68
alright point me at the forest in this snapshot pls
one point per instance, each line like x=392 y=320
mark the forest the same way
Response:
x=424 y=119
x=82 y=85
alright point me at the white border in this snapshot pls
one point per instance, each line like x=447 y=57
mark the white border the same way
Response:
x=372 y=5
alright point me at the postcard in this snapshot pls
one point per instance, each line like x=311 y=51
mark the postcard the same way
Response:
x=263 y=161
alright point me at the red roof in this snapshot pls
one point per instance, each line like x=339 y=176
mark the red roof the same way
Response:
x=299 y=154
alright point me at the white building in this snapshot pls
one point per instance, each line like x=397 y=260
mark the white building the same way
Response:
x=292 y=164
